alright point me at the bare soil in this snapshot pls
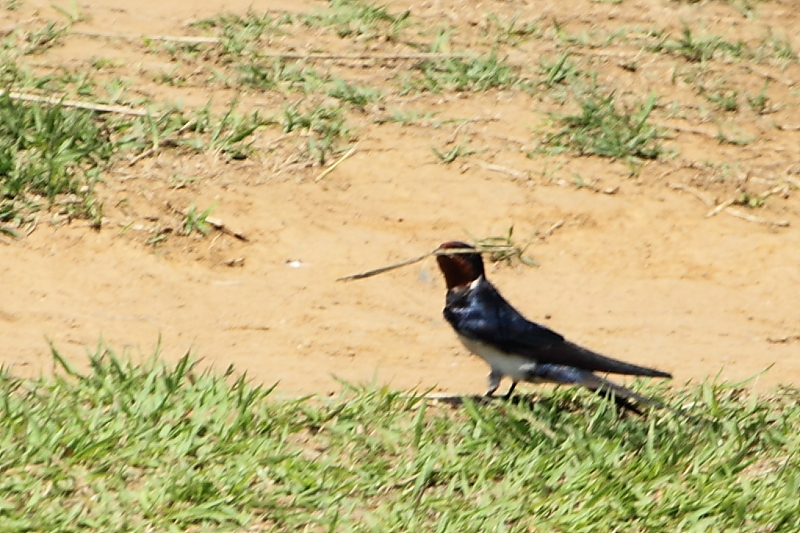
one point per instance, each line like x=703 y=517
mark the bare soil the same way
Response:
x=637 y=270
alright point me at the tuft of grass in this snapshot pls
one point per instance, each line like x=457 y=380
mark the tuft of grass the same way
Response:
x=352 y=94
x=447 y=157
x=43 y=38
x=760 y=102
x=230 y=134
x=407 y=118
x=726 y=99
x=747 y=199
x=359 y=19
x=280 y=74
x=196 y=221
x=557 y=71
x=202 y=130
x=782 y=48
x=47 y=152
x=457 y=74
x=696 y=49
x=241 y=34
x=74 y=14
x=156 y=446
x=323 y=125
x=50 y=154
x=510 y=31
x=602 y=129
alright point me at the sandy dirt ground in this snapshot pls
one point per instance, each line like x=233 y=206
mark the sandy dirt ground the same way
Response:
x=636 y=269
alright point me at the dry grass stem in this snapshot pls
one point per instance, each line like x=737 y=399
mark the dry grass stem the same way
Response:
x=55 y=100
x=186 y=39
x=381 y=270
x=481 y=248
x=552 y=228
x=331 y=168
x=753 y=218
x=224 y=228
x=694 y=192
x=720 y=207
x=504 y=170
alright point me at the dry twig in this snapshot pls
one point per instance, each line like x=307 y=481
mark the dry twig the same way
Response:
x=224 y=228
x=720 y=207
x=186 y=39
x=331 y=168
x=793 y=181
x=480 y=248
x=54 y=100
x=694 y=192
x=756 y=219
x=552 y=229
x=504 y=170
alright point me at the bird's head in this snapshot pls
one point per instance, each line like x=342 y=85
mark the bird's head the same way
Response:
x=459 y=269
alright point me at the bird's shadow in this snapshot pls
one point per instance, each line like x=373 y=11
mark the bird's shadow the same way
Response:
x=526 y=400
x=457 y=400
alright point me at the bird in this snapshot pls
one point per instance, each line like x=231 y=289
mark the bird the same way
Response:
x=515 y=347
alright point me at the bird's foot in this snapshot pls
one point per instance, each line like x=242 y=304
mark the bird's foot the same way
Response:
x=510 y=391
x=494 y=382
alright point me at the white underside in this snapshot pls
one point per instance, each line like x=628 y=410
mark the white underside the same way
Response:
x=514 y=366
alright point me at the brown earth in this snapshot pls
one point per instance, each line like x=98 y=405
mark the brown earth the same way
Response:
x=636 y=271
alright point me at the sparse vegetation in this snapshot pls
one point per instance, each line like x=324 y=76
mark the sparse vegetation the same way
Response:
x=357 y=18
x=726 y=99
x=49 y=151
x=196 y=221
x=320 y=96
x=759 y=102
x=604 y=130
x=448 y=156
x=557 y=71
x=699 y=48
x=457 y=74
x=43 y=38
x=324 y=127
x=510 y=31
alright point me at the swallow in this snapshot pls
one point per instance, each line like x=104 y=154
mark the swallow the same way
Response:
x=515 y=347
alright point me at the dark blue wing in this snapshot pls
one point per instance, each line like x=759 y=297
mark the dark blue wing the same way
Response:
x=482 y=314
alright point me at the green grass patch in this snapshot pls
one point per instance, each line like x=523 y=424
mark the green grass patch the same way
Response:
x=41 y=39
x=151 y=446
x=280 y=74
x=510 y=31
x=699 y=48
x=359 y=19
x=601 y=128
x=199 y=130
x=461 y=74
x=323 y=125
x=558 y=70
x=196 y=221
x=240 y=34
x=55 y=154
x=47 y=151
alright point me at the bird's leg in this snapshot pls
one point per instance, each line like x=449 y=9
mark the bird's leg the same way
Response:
x=510 y=390
x=494 y=382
